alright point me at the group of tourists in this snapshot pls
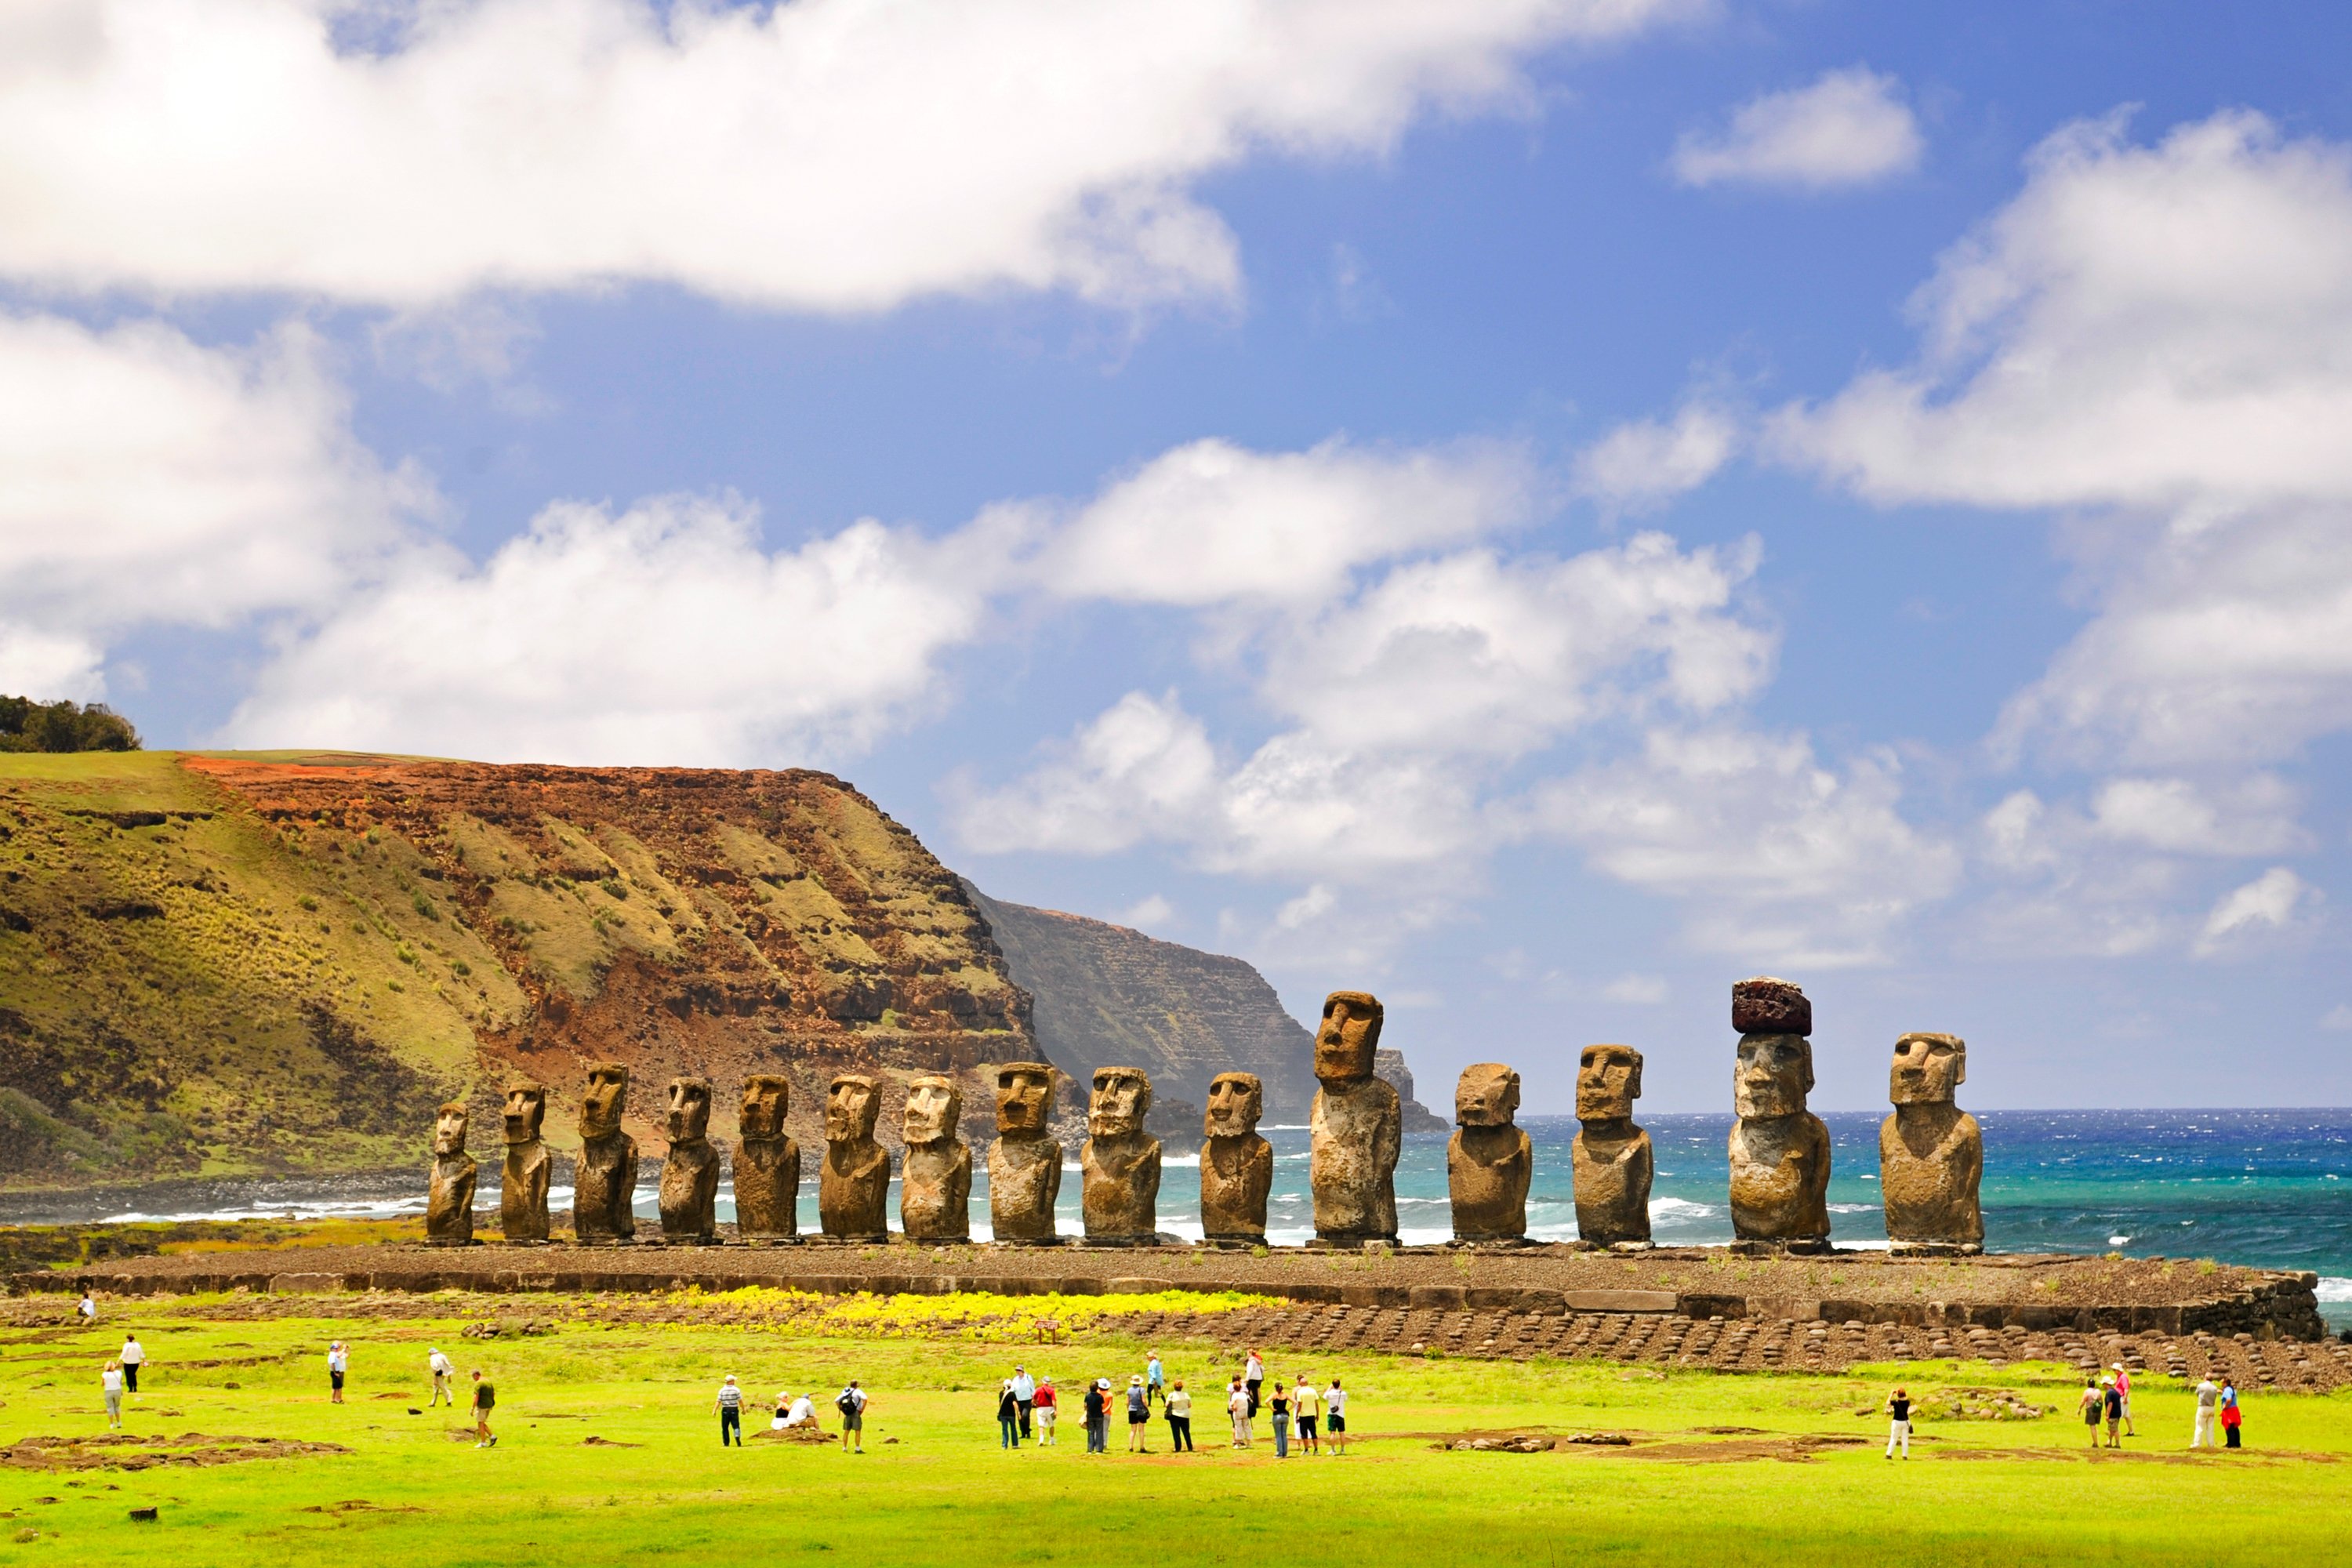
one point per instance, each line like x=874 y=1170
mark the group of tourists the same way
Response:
x=1027 y=1406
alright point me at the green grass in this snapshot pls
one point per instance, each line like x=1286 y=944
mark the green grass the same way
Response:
x=944 y=1492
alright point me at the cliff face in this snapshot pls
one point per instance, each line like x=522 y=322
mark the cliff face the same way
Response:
x=1106 y=995
x=227 y=963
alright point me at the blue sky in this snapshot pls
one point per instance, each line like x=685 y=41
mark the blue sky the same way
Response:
x=1540 y=510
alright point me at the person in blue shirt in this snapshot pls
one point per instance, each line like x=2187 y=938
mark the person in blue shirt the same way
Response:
x=1155 y=1380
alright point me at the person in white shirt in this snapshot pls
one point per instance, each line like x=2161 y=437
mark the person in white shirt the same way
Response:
x=111 y=1383
x=339 y=1362
x=1252 y=1373
x=2208 y=1400
x=1237 y=1403
x=133 y=1357
x=851 y=1402
x=1024 y=1394
x=89 y=1308
x=1305 y=1402
x=443 y=1391
x=801 y=1412
x=1334 y=1416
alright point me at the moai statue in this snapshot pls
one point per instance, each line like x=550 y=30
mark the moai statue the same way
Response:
x=853 y=1185
x=1120 y=1162
x=1779 y=1150
x=690 y=1182
x=450 y=1207
x=604 y=1183
x=767 y=1164
x=1236 y=1164
x=1930 y=1152
x=1489 y=1160
x=935 y=1187
x=1612 y=1159
x=522 y=1183
x=1355 y=1129
x=1024 y=1165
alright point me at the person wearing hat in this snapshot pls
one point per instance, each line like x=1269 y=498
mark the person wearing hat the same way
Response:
x=443 y=1374
x=2123 y=1389
x=2111 y=1399
x=1139 y=1415
x=1047 y=1406
x=730 y=1412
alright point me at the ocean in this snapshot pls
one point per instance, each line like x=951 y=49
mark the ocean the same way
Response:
x=2267 y=1188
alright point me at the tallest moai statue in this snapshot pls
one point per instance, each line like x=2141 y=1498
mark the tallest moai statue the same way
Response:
x=1355 y=1129
x=1779 y=1150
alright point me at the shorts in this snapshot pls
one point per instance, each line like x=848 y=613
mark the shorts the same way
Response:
x=854 y=1421
x=1335 y=1422
x=1137 y=1417
x=335 y=1380
x=1307 y=1426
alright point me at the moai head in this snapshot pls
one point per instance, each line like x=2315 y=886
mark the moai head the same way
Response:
x=851 y=1106
x=934 y=1106
x=1486 y=1095
x=767 y=1099
x=1122 y=1097
x=1024 y=1099
x=1608 y=1082
x=607 y=1096
x=449 y=1129
x=526 y=1108
x=1774 y=1075
x=1236 y=1100
x=1928 y=1069
x=1351 y=1032
x=689 y=1110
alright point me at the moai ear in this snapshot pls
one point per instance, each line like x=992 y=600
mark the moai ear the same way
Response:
x=1633 y=1083
x=1961 y=1050
x=1809 y=1066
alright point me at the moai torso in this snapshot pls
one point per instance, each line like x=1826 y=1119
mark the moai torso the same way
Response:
x=1355 y=1129
x=449 y=1202
x=523 y=1178
x=935 y=1177
x=1120 y=1161
x=1930 y=1152
x=1024 y=1165
x=853 y=1191
x=604 y=1182
x=1236 y=1164
x=1612 y=1160
x=1489 y=1160
x=767 y=1163
x=690 y=1182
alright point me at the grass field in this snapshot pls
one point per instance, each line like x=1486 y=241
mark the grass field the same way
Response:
x=943 y=1492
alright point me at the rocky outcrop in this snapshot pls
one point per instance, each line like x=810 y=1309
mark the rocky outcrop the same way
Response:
x=1389 y=1066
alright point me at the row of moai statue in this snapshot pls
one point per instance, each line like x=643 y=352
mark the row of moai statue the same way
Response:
x=1931 y=1154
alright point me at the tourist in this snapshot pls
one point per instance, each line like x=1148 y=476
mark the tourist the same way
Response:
x=133 y=1357
x=87 y=1309
x=1139 y=1417
x=1025 y=1394
x=782 y=1418
x=1305 y=1402
x=1252 y=1373
x=109 y=1382
x=2122 y=1392
x=802 y=1414
x=852 y=1402
x=2208 y=1399
x=2112 y=1398
x=2230 y=1419
x=1180 y=1419
x=1155 y=1380
x=2091 y=1403
x=1898 y=1426
x=1048 y=1410
x=486 y=1399
x=442 y=1374
x=1237 y=1406
x=729 y=1405
x=1279 y=1403
x=1334 y=1416
x=339 y=1362
x=1097 y=1422
x=1008 y=1416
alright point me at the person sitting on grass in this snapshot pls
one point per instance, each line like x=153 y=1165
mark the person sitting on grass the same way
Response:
x=801 y=1412
x=852 y=1402
x=1898 y=1426
x=486 y=1399
x=1046 y=1408
x=729 y=1405
x=1334 y=1416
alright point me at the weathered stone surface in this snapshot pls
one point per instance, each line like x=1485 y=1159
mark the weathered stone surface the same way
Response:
x=1612 y=1160
x=1024 y=1165
x=935 y=1189
x=523 y=1180
x=689 y=1182
x=1930 y=1152
x=604 y=1182
x=1236 y=1164
x=1768 y=1006
x=767 y=1163
x=853 y=1188
x=1779 y=1150
x=449 y=1202
x=1355 y=1130
x=1489 y=1160
x=1120 y=1160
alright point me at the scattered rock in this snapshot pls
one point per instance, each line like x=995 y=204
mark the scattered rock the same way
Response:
x=143 y=1516
x=595 y=1442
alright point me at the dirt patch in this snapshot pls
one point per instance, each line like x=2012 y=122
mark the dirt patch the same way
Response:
x=1796 y=1449
x=361 y=1505
x=125 y=1451
x=595 y=1442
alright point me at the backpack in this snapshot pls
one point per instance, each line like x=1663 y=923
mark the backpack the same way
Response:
x=846 y=1402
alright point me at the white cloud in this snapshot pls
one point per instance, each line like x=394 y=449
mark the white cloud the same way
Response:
x=1148 y=912
x=1637 y=990
x=2269 y=903
x=1850 y=127
x=1144 y=768
x=829 y=155
x=146 y=479
x=1643 y=463
x=2254 y=816
x=2338 y=1018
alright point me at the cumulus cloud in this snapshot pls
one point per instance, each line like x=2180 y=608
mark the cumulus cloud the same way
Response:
x=836 y=156
x=1645 y=463
x=2269 y=903
x=1849 y=127
x=146 y=479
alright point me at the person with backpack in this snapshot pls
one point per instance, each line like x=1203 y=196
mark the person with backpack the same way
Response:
x=851 y=1402
x=1898 y=1426
x=2091 y=1403
x=1097 y=1418
x=1179 y=1405
x=1008 y=1416
x=730 y=1407
x=2230 y=1419
x=1139 y=1417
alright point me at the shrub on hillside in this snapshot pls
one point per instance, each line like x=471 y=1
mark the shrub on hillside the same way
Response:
x=30 y=726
